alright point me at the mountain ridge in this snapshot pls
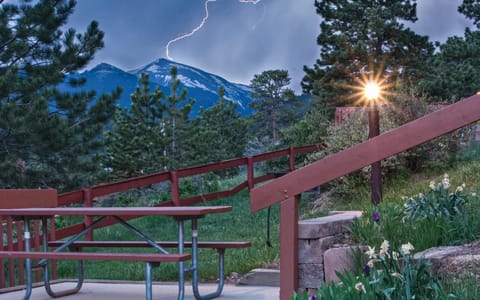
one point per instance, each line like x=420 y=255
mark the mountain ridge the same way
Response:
x=201 y=85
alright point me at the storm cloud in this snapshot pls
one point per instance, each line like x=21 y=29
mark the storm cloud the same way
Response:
x=238 y=40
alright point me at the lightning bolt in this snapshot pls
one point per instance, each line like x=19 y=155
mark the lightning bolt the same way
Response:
x=199 y=26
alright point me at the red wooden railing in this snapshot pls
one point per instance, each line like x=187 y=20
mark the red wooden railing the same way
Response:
x=286 y=189
x=12 y=231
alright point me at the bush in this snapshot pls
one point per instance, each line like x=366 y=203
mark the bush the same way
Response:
x=388 y=274
x=437 y=202
x=404 y=107
x=352 y=131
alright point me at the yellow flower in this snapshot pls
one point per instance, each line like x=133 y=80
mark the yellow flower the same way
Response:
x=397 y=275
x=406 y=248
x=446 y=181
x=371 y=252
x=459 y=189
x=395 y=255
x=360 y=287
x=385 y=245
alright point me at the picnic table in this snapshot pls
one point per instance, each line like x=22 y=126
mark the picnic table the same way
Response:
x=179 y=214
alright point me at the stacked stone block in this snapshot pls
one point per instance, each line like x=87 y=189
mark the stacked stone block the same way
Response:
x=316 y=237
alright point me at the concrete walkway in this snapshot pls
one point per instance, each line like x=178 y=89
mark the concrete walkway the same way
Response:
x=122 y=290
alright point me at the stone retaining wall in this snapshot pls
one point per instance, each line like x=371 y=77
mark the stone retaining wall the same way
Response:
x=320 y=250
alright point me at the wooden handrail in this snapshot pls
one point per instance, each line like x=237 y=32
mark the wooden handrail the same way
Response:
x=286 y=189
x=146 y=180
x=395 y=141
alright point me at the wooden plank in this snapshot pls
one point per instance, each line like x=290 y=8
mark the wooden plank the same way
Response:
x=289 y=247
x=142 y=244
x=136 y=182
x=146 y=257
x=23 y=198
x=412 y=134
x=117 y=211
x=2 y=248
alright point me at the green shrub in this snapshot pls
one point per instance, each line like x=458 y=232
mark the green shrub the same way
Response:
x=404 y=107
x=437 y=202
x=388 y=274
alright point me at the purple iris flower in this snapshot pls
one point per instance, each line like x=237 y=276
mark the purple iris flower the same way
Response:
x=366 y=270
x=313 y=298
x=376 y=216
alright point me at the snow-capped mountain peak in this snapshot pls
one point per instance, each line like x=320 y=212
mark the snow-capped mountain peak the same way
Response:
x=201 y=86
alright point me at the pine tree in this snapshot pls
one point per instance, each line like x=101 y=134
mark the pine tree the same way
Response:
x=176 y=120
x=364 y=37
x=273 y=102
x=218 y=133
x=49 y=139
x=136 y=144
x=471 y=10
x=455 y=69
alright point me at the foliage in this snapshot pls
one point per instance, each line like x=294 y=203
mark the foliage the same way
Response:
x=363 y=38
x=49 y=138
x=218 y=133
x=437 y=202
x=455 y=69
x=446 y=219
x=312 y=129
x=273 y=103
x=471 y=10
x=153 y=134
x=352 y=131
x=136 y=143
x=389 y=274
x=404 y=106
x=176 y=121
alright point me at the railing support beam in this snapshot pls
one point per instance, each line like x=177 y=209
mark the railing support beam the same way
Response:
x=289 y=247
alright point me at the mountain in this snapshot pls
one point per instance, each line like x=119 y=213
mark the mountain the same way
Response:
x=201 y=86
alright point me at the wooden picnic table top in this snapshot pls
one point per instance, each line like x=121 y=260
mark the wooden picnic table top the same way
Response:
x=117 y=211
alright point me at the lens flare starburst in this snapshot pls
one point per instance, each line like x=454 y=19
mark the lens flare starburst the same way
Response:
x=370 y=89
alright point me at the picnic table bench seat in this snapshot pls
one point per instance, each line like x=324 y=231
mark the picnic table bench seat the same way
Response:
x=142 y=244
x=151 y=260
x=139 y=257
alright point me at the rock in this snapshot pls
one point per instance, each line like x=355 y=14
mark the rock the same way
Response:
x=454 y=261
x=310 y=275
x=311 y=251
x=326 y=226
x=339 y=260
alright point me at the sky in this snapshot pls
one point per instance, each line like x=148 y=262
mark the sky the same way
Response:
x=238 y=39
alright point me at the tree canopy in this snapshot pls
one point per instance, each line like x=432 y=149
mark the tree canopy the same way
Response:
x=364 y=38
x=49 y=138
x=274 y=103
x=136 y=144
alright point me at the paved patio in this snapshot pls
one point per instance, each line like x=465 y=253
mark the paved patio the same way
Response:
x=121 y=290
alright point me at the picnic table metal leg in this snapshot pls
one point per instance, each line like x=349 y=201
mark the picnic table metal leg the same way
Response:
x=28 y=261
x=181 y=270
x=195 y=279
x=46 y=273
x=149 y=279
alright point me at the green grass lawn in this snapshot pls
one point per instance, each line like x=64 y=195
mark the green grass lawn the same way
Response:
x=242 y=225
x=238 y=225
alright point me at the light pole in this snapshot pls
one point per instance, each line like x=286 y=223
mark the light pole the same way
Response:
x=372 y=94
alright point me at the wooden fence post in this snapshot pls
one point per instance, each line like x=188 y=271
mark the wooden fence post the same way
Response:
x=289 y=247
x=291 y=159
x=250 y=173
x=174 y=188
x=88 y=202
